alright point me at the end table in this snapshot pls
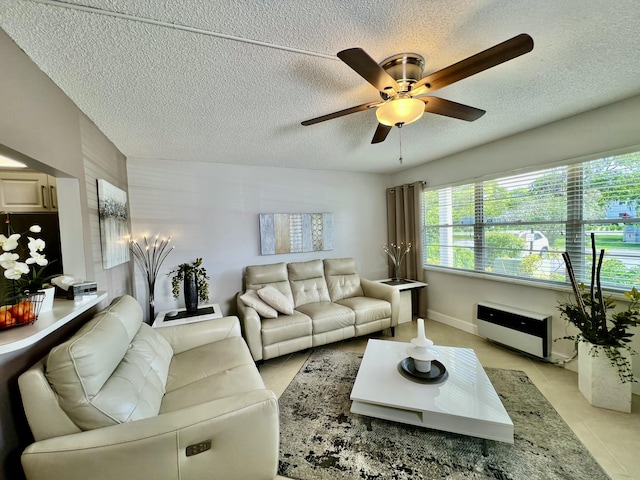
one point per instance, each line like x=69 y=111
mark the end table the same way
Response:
x=204 y=312
x=406 y=287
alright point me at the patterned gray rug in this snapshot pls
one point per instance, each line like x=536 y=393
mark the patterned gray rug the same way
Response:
x=321 y=439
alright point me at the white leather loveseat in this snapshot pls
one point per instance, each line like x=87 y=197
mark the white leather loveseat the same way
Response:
x=120 y=400
x=329 y=302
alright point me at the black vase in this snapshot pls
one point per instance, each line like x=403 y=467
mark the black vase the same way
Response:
x=190 y=292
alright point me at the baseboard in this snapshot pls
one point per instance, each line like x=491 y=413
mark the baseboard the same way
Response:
x=452 y=322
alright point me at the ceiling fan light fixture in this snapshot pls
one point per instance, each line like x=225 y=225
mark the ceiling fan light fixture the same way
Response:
x=400 y=110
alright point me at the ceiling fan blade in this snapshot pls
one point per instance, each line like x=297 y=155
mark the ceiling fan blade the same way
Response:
x=440 y=106
x=381 y=133
x=341 y=113
x=508 y=50
x=368 y=68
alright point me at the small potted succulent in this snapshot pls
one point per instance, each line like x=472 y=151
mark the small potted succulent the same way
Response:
x=196 y=283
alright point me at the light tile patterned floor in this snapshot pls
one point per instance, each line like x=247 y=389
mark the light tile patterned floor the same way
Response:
x=613 y=438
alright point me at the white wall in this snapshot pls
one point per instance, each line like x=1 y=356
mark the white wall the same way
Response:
x=44 y=128
x=211 y=211
x=451 y=297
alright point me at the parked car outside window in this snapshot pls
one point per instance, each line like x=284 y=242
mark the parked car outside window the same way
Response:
x=535 y=241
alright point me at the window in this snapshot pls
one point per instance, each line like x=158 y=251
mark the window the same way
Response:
x=519 y=226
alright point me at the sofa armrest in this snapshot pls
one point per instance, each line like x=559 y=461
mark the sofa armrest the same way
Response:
x=191 y=335
x=383 y=292
x=251 y=328
x=237 y=426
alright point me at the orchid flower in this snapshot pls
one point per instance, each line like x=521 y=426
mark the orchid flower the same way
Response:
x=17 y=271
x=8 y=260
x=10 y=243
x=36 y=244
x=38 y=258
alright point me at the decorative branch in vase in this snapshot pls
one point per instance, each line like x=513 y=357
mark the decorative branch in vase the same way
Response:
x=149 y=257
x=397 y=253
x=589 y=313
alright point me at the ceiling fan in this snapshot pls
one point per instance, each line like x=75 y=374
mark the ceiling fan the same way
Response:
x=406 y=93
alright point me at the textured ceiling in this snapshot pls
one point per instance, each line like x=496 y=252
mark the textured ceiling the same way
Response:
x=234 y=86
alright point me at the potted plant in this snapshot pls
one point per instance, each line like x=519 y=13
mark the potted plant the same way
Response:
x=196 y=283
x=604 y=353
x=24 y=264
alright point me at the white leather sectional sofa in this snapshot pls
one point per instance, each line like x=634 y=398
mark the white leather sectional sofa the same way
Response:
x=123 y=401
x=330 y=302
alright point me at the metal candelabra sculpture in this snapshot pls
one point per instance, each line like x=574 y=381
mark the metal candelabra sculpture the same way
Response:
x=149 y=257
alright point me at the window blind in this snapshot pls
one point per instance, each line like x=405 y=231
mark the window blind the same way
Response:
x=519 y=225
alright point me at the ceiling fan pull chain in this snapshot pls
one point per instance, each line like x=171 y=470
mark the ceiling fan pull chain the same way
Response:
x=400 y=137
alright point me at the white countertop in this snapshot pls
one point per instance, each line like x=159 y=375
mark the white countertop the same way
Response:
x=63 y=312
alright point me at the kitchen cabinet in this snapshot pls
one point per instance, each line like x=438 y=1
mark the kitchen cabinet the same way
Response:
x=27 y=192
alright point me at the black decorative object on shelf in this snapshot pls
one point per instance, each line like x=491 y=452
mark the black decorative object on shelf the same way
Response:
x=195 y=282
x=398 y=281
x=190 y=292
x=437 y=374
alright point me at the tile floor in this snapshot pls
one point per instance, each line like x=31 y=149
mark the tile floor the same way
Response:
x=613 y=438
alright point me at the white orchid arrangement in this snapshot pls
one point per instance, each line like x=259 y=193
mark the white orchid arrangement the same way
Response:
x=23 y=271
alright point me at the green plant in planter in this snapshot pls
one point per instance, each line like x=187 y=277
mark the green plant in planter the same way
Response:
x=589 y=312
x=195 y=268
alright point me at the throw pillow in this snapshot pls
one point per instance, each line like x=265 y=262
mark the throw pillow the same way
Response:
x=276 y=299
x=251 y=299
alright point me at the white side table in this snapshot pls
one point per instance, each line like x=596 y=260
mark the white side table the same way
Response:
x=406 y=304
x=204 y=312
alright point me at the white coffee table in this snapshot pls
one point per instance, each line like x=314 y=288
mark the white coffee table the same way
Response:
x=465 y=402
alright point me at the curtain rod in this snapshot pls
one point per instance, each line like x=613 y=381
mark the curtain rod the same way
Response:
x=410 y=185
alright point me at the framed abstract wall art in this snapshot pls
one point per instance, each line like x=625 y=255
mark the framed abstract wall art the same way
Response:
x=295 y=232
x=114 y=226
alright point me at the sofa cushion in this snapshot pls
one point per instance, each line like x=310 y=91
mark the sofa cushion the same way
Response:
x=328 y=316
x=257 y=276
x=367 y=309
x=307 y=282
x=251 y=299
x=276 y=299
x=342 y=277
x=225 y=368
x=110 y=371
x=285 y=327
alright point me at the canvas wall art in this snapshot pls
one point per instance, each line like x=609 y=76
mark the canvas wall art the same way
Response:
x=295 y=232
x=114 y=227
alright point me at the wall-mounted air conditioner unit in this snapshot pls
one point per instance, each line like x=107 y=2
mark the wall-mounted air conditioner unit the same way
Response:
x=529 y=332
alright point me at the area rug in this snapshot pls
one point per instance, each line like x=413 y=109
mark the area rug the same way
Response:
x=321 y=439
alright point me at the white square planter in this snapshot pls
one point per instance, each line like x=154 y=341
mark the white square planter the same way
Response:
x=47 y=303
x=599 y=382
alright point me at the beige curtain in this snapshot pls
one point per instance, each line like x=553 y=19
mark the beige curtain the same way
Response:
x=404 y=207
